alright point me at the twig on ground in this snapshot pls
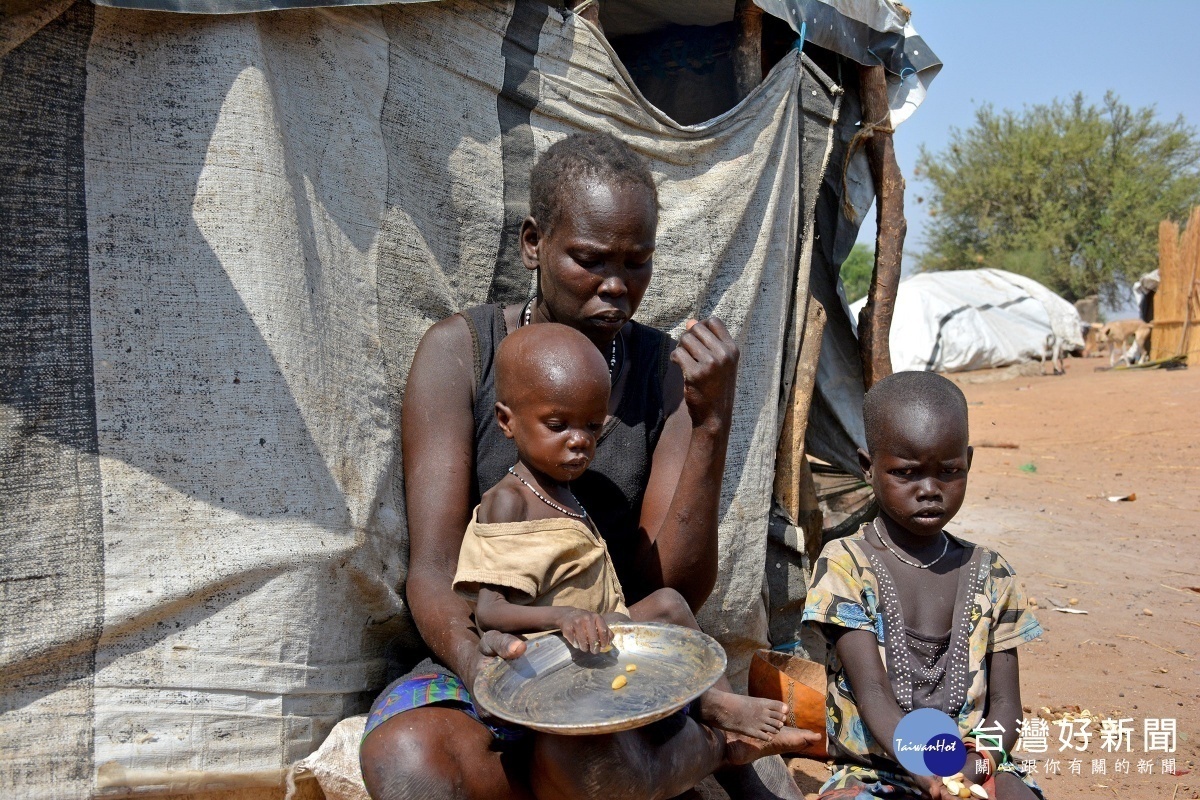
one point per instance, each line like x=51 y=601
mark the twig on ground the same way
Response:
x=1068 y=580
x=1152 y=644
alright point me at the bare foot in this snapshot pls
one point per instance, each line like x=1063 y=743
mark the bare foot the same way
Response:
x=742 y=750
x=749 y=716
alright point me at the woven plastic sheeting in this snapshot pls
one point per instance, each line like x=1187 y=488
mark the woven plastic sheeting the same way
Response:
x=226 y=237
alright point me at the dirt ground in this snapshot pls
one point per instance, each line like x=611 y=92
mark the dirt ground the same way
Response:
x=1082 y=438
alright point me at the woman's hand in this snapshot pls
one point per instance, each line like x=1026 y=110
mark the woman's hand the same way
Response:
x=708 y=358
x=493 y=644
x=585 y=630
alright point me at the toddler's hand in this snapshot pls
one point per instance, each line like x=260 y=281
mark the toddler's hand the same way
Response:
x=585 y=630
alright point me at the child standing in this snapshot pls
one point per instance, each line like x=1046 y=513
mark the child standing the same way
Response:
x=531 y=559
x=914 y=617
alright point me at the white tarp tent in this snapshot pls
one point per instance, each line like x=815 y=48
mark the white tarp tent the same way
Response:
x=974 y=319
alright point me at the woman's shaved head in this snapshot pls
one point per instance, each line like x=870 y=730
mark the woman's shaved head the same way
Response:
x=546 y=358
x=582 y=157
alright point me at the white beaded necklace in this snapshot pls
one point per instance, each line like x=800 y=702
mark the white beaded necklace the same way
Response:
x=548 y=501
x=945 y=548
x=527 y=314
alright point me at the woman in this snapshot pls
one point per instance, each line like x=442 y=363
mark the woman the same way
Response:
x=652 y=489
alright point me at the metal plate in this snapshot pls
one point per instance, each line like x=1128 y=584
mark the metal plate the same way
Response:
x=557 y=689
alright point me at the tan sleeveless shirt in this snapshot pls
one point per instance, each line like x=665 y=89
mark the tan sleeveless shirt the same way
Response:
x=543 y=562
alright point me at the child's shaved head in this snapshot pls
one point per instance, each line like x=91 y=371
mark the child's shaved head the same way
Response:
x=910 y=394
x=544 y=358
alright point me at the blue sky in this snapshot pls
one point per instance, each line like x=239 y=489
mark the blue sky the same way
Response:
x=1023 y=52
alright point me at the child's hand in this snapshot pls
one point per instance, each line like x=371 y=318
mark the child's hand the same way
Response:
x=972 y=773
x=585 y=630
x=934 y=788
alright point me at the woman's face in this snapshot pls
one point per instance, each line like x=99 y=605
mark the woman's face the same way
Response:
x=597 y=259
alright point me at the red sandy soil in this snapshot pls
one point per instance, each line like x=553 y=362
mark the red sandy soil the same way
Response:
x=1136 y=653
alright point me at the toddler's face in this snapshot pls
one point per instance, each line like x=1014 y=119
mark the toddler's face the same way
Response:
x=919 y=470
x=555 y=431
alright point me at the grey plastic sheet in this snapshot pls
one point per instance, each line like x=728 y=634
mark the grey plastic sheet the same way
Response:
x=225 y=236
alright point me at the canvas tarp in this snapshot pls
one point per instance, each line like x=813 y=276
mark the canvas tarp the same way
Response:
x=974 y=319
x=223 y=238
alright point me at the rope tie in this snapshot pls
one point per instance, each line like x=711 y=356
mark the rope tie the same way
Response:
x=866 y=132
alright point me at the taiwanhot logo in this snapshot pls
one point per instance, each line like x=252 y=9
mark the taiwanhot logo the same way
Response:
x=926 y=742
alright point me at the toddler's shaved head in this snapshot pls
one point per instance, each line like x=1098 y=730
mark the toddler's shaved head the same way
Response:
x=544 y=358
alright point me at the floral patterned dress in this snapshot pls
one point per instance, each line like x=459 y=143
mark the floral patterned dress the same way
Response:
x=851 y=588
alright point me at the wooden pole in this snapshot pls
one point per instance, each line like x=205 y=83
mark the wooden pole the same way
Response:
x=588 y=9
x=875 y=319
x=747 y=51
x=794 y=489
x=1162 y=339
x=790 y=461
x=1191 y=250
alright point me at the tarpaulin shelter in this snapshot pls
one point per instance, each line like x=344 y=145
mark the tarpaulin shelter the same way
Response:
x=222 y=238
x=978 y=318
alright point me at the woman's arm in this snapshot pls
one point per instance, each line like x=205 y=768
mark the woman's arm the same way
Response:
x=437 y=437
x=682 y=500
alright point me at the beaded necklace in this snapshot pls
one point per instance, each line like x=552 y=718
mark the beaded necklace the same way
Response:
x=548 y=501
x=879 y=533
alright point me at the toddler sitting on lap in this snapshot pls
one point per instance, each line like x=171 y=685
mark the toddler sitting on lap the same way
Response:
x=533 y=561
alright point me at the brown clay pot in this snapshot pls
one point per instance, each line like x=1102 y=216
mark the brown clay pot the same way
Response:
x=800 y=684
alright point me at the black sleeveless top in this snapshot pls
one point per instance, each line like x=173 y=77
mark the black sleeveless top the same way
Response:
x=613 y=486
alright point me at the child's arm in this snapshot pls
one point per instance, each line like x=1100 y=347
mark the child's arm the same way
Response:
x=858 y=651
x=583 y=630
x=1003 y=707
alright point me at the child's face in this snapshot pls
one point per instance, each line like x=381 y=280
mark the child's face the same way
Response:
x=555 y=427
x=919 y=470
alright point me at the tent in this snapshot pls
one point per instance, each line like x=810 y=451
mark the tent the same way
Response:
x=223 y=237
x=974 y=319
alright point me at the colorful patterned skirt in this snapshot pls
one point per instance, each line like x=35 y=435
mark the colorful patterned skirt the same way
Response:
x=430 y=684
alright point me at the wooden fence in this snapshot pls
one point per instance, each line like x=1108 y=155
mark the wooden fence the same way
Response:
x=1177 y=301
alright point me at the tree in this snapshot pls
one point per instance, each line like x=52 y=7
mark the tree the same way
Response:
x=1070 y=194
x=856 y=271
